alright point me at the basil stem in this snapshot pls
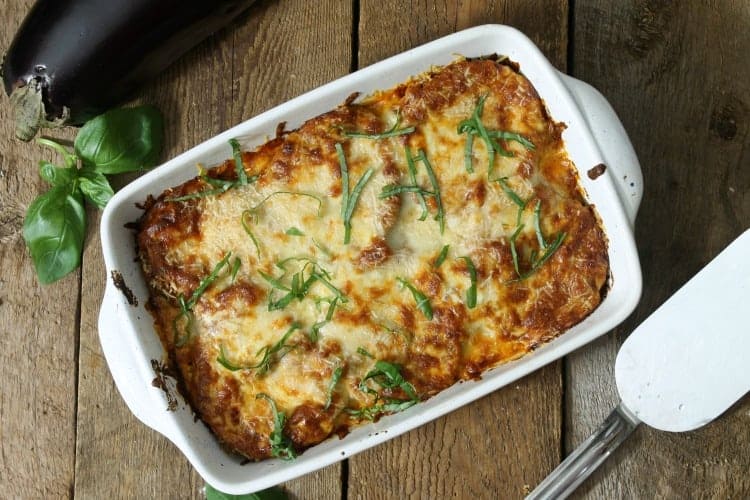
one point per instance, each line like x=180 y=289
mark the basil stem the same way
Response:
x=281 y=445
x=471 y=293
x=423 y=303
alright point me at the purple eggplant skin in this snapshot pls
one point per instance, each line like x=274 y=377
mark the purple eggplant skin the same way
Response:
x=73 y=59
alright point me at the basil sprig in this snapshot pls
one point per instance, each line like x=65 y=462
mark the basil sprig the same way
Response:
x=118 y=141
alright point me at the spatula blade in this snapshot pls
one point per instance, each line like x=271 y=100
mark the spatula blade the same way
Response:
x=690 y=360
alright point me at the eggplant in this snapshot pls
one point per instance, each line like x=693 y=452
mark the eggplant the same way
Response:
x=73 y=59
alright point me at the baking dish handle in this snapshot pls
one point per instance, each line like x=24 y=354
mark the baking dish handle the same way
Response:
x=610 y=135
x=114 y=346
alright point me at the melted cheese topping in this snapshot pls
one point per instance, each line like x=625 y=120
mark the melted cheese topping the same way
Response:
x=294 y=213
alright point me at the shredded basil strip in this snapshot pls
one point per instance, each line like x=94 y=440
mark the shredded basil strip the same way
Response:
x=387 y=376
x=300 y=285
x=344 y=178
x=332 y=386
x=394 y=190
x=281 y=445
x=352 y=203
x=186 y=306
x=235 y=268
x=440 y=216
x=248 y=230
x=423 y=303
x=391 y=132
x=315 y=331
x=441 y=256
x=474 y=126
x=471 y=293
x=415 y=188
x=219 y=186
x=362 y=351
x=238 y=166
x=349 y=201
x=546 y=249
x=413 y=176
x=269 y=354
x=290 y=193
x=293 y=231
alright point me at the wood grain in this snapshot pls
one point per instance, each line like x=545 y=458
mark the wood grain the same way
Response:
x=506 y=442
x=679 y=79
x=38 y=329
x=231 y=77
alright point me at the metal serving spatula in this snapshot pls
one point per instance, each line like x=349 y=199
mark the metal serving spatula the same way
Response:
x=680 y=369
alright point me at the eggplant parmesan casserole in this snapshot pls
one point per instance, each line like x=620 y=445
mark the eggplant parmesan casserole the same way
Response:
x=371 y=258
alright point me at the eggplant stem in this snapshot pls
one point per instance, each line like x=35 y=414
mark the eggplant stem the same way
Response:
x=29 y=112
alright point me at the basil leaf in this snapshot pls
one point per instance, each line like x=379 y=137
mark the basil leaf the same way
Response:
x=96 y=187
x=274 y=493
x=57 y=176
x=54 y=231
x=121 y=140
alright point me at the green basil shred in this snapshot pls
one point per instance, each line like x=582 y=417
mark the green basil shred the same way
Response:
x=387 y=376
x=474 y=127
x=186 y=306
x=281 y=445
x=268 y=354
x=471 y=293
x=423 y=303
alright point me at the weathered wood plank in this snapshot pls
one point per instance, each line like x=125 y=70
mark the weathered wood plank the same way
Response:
x=38 y=327
x=680 y=80
x=238 y=73
x=507 y=441
x=116 y=455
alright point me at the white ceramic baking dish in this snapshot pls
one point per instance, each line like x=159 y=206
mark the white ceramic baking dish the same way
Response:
x=594 y=135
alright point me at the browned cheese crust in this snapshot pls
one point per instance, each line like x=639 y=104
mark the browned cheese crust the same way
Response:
x=219 y=259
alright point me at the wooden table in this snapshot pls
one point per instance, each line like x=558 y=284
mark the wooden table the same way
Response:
x=677 y=73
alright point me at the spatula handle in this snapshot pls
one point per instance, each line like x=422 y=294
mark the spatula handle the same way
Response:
x=587 y=457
